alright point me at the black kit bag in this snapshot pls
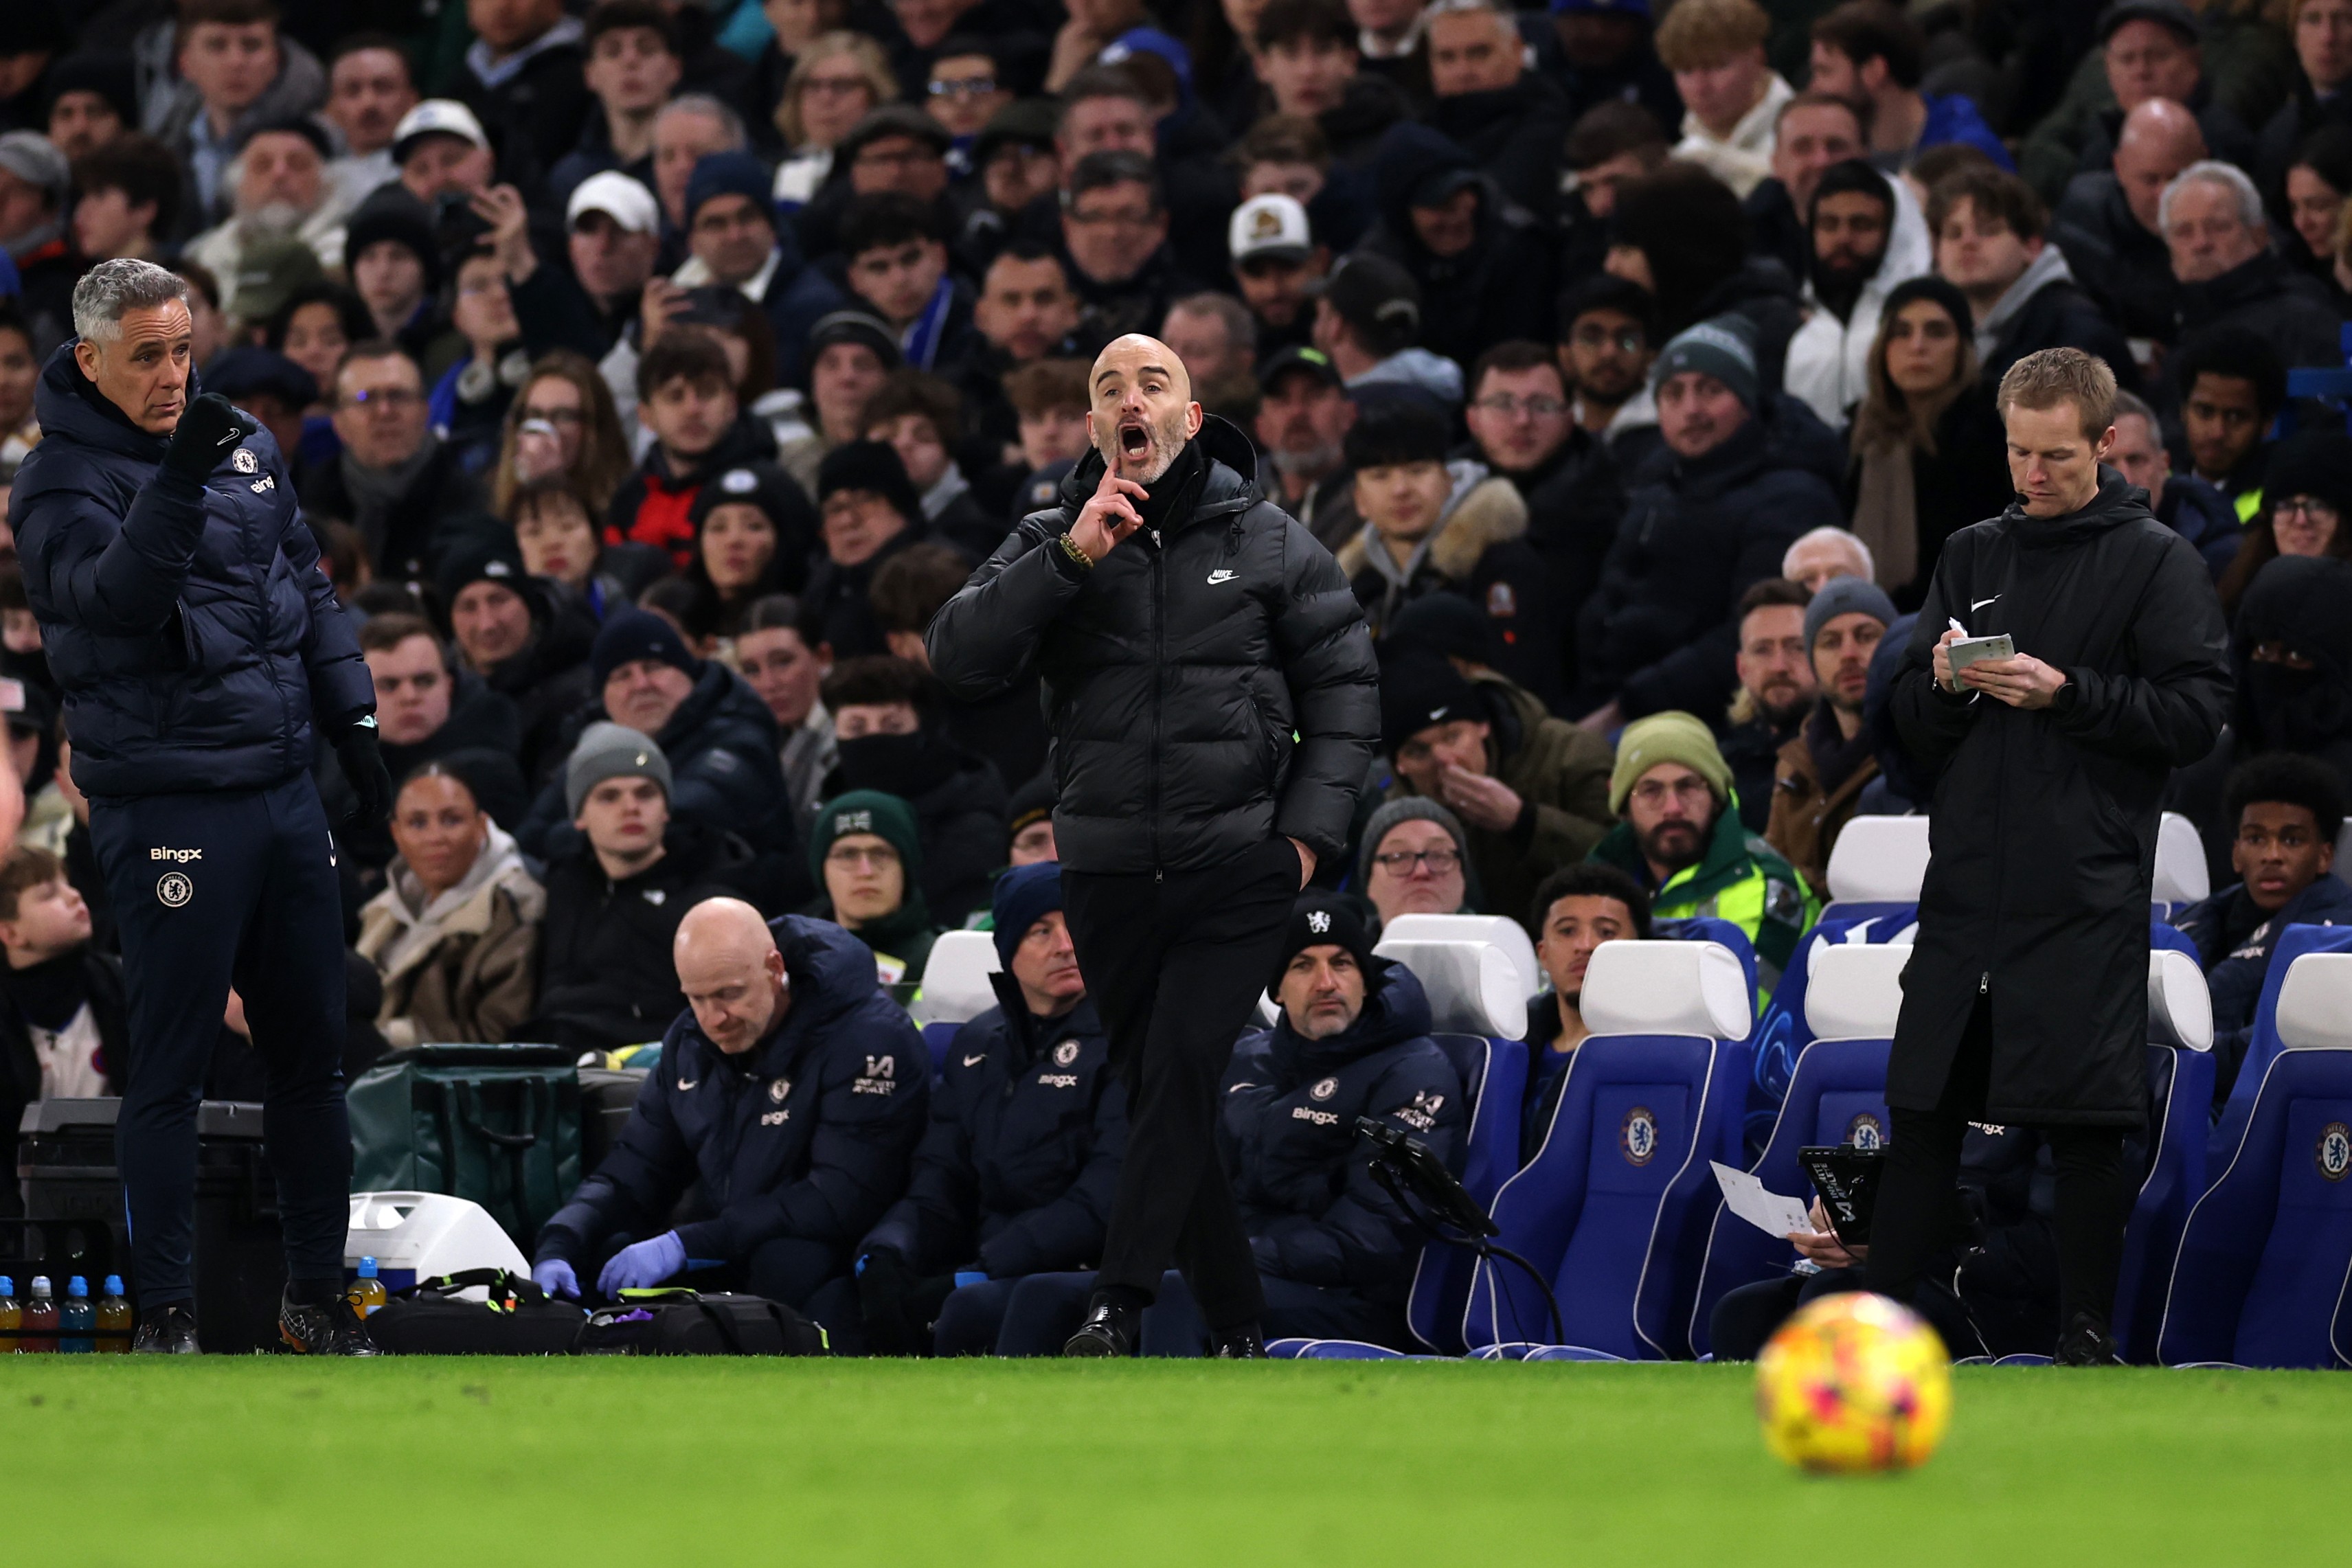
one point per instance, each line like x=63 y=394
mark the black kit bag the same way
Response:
x=431 y=1318
x=670 y=1321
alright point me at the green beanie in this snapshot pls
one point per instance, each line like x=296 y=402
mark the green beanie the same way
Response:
x=1666 y=738
x=867 y=812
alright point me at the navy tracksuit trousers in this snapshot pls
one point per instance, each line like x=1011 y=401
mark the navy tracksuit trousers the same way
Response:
x=210 y=890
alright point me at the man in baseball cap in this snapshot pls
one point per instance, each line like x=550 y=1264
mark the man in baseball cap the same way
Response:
x=613 y=231
x=1277 y=264
x=1368 y=319
x=440 y=146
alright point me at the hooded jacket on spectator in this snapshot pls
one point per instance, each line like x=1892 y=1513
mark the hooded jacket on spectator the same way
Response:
x=1500 y=287
x=462 y=965
x=805 y=1135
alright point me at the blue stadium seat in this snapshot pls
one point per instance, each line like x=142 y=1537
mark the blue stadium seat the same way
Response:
x=2181 y=1086
x=1614 y=1209
x=2293 y=943
x=1479 y=1014
x=939 y=1038
x=2261 y=1278
x=1837 y=1095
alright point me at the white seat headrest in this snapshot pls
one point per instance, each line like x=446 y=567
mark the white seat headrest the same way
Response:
x=1472 y=987
x=1665 y=987
x=1502 y=931
x=2179 y=1007
x=2315 y=1004
x=2181 y=875
x=955 y=978
x=1879 y=860
x=1854 y=990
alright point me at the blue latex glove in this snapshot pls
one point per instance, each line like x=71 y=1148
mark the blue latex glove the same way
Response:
x=646 y=1263
x=556 y=1277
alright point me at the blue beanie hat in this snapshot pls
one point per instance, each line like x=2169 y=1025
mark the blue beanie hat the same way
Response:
x=729 y=175
x=1025 y=895
x=633 y=634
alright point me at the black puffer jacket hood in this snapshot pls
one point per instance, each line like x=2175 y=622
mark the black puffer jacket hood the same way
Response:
x=1209 y=685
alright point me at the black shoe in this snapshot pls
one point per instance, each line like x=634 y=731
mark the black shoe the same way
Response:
x=327 y=1328
x=2086 y=1342
x=1243 y=1342
x=1109 y=1330
x=167 y=1330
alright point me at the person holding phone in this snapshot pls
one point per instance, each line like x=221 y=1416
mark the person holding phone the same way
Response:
x=2025 y=1001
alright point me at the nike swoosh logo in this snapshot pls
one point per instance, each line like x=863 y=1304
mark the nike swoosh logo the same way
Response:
x=687 y=1084
x=1221 y=575
x=1980 y=603
x=975 y=1061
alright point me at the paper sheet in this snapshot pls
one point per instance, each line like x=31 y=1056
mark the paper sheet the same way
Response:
x=1766 y=1211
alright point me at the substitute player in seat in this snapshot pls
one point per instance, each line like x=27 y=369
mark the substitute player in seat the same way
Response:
x=791 y=1090
x=201 y=648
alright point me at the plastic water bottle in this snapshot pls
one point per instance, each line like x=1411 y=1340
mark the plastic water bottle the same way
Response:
x=11 y=1318
x=367 y=1294
x=40 y=1322
x=76 y=1318
x=114 y=1319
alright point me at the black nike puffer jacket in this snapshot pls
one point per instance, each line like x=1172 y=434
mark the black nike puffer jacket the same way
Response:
x=1208 y=686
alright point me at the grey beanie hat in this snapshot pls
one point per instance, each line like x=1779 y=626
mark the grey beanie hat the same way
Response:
x=1415 y=808
x=608 y=750
x=1846 y=596
x=1724 y=348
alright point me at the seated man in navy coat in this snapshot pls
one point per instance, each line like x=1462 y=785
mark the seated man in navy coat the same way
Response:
x=2284 y=809
x=788 y=1097
x=1335 y=1255
x=1016 y=1172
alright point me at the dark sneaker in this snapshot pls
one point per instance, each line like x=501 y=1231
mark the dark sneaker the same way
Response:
x=167 y=1330
x=1109 y=1330
x=329 y=1328
x=2086 y=1342
x=1243 y=1342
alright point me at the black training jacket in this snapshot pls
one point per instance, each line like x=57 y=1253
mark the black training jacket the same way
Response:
x=1207 y=686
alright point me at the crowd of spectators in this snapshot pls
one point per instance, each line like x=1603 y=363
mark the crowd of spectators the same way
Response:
x=653 y=370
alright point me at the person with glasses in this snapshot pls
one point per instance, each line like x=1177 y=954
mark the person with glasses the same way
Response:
x=1604 y=348
x=394 y=480
x=1415 y=860
x=1686 y=847
x=2307 y=495
x=963 y=93
x=1115 y=232
x=1530 y=791
x=866 y=853
x=1577 y=909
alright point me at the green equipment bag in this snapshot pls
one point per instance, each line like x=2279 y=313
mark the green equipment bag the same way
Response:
x=496 y=1124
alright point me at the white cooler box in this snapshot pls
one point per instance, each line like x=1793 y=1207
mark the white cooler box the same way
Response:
x=416 y=1236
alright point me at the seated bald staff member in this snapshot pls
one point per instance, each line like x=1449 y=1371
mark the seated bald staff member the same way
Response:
x=790 y=1094
x=1213 y=705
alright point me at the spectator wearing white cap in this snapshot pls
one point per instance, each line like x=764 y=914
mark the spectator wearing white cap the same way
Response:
x=440 y=146
x=1276 y=265
x=613 y=237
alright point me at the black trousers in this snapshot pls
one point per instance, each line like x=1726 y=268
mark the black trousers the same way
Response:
x=210 y=890
x=1175 y=962
x=1918 y=1205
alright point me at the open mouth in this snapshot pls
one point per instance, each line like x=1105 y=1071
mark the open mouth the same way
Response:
x=1134 y=440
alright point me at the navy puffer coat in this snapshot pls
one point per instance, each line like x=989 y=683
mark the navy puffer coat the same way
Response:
x=192 y=628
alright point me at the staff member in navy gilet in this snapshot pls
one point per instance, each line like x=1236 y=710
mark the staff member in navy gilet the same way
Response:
x=200 y=646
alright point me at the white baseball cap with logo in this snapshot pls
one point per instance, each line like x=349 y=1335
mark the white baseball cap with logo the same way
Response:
x=624 y=200
x=436 y=117
x=1271 y=226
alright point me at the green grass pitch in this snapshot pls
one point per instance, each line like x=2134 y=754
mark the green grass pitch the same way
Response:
x=269 y=1461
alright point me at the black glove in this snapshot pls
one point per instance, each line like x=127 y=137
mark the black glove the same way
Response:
x=363 y=758
x=209 y=430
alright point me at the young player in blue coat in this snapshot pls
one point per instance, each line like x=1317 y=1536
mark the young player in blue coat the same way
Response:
x=203 y=655
x=1016 y=1174
x=788 y=1097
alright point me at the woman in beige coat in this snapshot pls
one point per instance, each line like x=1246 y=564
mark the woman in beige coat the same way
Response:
x=455 y=932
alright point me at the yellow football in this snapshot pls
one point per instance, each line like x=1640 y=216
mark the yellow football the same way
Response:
x=1854 y=1382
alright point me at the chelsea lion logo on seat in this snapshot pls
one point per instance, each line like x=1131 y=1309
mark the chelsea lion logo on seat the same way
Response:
x=2335 y=1151
x=1865 y=1132
x=1637 y=1136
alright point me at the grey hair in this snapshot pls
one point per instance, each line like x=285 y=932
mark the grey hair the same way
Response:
x=709 y=108
x=1241 y=327
x=2136 y=407
x=111 y=288
x=2213 y=172
x=1829 y=533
